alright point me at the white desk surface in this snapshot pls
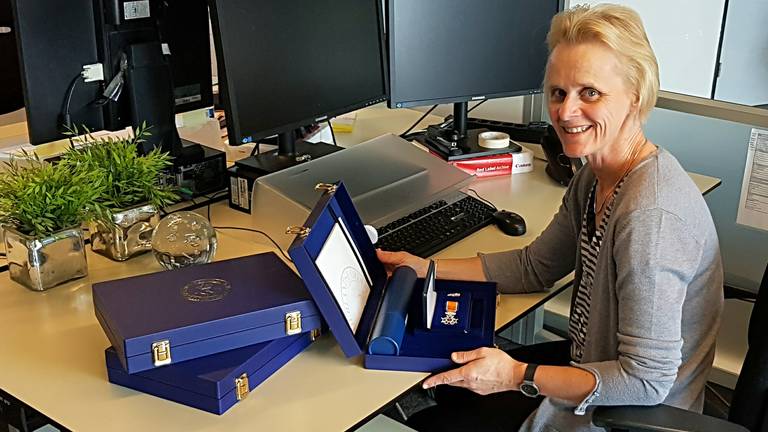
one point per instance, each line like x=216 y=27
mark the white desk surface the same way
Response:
x=51 y=346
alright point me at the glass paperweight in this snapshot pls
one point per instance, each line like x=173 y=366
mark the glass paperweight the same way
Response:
x=183 y=239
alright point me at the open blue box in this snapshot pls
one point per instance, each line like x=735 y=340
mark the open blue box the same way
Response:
x=214 y=383
x=168 y=317
x=357 y=315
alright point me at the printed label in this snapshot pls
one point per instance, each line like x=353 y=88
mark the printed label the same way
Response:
x=234 y=193
x=243 y=190
x=136 y=9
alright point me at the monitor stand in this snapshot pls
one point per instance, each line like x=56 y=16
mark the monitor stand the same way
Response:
x=458 y=142
x=290 y=152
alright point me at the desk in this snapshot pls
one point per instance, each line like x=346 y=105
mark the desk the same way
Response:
x=51 y=346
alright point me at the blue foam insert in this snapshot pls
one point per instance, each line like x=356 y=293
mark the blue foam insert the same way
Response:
x=418 y=342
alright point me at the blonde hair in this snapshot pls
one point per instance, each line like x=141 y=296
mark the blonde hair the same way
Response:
x=621 y=29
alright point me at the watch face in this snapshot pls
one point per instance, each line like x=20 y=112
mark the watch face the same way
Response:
x=529 y=389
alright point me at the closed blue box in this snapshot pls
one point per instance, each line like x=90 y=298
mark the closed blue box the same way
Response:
x=177 y=315
x=214 y=383
x=415 y=348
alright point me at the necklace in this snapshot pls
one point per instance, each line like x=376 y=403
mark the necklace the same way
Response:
x=606 y=196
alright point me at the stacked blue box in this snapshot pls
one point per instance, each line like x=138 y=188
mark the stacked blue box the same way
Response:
x=214 y=383
x=202 y=335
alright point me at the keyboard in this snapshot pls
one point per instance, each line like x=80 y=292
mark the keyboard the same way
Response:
x=436 y=226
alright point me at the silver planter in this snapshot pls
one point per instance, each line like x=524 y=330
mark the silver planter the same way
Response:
x=40 y=263
x=130 y=235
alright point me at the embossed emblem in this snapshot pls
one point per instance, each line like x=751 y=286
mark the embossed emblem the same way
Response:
x=205 y=290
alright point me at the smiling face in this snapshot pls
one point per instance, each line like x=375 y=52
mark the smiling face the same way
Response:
x=591 y=104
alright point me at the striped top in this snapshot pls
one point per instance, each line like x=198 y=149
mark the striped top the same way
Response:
x=591 y=238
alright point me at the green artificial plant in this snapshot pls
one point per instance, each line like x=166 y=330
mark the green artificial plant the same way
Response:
x=130 y=179
x=38 y=198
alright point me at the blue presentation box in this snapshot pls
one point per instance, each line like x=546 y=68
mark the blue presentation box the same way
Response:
x=410 y=346
x=177 y=315
x=214 y=383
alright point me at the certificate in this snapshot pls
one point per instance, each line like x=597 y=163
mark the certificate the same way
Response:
x=345 y=275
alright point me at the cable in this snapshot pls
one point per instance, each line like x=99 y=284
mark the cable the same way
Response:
x=211 y=198
x=333 y=135
x=717 y=394
x=66 y=118
x=449 y=122
x=482 y=199
x=260 y=232
x=418 y=121
x=477 y=105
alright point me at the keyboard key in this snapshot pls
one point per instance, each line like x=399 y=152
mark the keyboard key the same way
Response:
x=435 y=227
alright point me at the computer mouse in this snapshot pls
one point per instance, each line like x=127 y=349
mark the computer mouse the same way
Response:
x=509 y=223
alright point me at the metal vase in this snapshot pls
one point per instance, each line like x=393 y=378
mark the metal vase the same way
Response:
x=40 y=263
x=130 y=234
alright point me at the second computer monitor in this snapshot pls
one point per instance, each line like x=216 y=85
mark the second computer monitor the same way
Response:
x=283 y=64
x=447 y=51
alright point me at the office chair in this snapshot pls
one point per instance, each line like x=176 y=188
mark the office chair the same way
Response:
x=749 y=406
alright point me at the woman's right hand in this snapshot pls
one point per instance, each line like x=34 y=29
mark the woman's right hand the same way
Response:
x=392 y=260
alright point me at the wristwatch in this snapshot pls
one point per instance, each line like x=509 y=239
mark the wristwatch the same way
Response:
x=528 y=387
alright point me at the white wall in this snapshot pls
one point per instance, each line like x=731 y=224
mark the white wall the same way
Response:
x=684 y=35
x=744 y=71
x=505 y=109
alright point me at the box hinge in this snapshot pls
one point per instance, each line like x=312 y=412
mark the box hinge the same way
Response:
x=316 y=333
x=293 y=323
x=161 y=353
x=326 y=187
x=300 y=231
x=241 y=386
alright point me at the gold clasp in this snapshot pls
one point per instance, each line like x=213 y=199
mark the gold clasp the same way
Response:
x=300 y=231
x=161 y=353
x=315 y=334
x=241 y=387
x=326 y=187
x=293 y=323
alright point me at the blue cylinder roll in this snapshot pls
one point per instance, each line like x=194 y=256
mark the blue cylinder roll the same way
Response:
x=389 y=329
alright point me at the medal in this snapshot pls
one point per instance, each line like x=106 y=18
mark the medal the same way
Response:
x=451 y=307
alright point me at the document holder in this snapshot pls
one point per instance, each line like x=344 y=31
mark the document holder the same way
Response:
x=172 y=316
x=369 y=313
x=214 y=383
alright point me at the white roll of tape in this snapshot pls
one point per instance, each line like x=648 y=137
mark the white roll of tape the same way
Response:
x=522 y=162
x=493 y=140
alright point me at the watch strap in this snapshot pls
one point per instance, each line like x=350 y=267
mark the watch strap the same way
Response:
x=530 y=372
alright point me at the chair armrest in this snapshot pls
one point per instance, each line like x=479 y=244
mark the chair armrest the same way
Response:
x=660 y=418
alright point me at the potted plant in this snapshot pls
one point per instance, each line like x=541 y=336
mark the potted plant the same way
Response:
x=133 y=193
x=42 y=209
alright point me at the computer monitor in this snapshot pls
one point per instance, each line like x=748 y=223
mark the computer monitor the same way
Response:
x=455 y=51
x=165 y=43
x=51 y=57
x=284 y=65
x=11 y=96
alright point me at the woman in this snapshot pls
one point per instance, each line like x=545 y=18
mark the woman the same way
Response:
x=648 y=277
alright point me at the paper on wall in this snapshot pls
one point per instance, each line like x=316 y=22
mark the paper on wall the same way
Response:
x=753 y=203
x=339 y=266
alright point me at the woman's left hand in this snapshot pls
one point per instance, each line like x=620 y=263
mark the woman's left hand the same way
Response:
x=485 y=371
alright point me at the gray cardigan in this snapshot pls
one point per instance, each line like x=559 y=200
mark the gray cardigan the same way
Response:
x=656 y=299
